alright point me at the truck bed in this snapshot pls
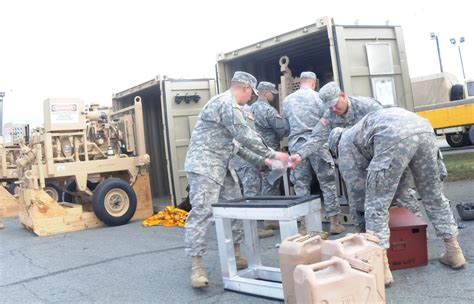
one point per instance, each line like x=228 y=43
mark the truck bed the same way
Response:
x=449 y=114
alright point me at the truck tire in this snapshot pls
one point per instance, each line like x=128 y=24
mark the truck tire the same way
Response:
x=114 y=202
x=457 y=92
x=457 y=140
x=54 y=191
x=71 y=187
x=471 y=134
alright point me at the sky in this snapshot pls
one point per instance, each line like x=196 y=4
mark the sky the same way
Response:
x=92 y=49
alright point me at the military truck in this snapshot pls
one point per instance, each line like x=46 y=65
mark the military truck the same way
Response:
x=448 y=105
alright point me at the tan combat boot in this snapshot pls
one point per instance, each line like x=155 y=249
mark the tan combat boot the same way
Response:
x=265 y=233
x=453 y=256
x=239 y=260
x=198 y=276
x=386 y=269
x=303 y=231
x=273 y=225
x=336 y=227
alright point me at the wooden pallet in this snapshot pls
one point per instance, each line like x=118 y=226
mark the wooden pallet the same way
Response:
x=9 y=205
x=44 y=216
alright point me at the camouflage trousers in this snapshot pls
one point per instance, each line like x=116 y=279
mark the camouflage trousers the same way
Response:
x=323 y=167
x=203 y=192
x=251 y=180
x=420 y=154
x=267 y=188
x=355 y=178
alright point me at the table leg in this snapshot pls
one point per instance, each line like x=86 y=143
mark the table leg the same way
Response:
x=253 y=243
x=225 y=245
x=313 y=222
x=288 y=228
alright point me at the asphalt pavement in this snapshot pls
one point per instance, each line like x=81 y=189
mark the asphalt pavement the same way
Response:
x=134 y=264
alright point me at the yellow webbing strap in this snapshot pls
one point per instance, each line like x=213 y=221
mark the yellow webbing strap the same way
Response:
x=168 y=217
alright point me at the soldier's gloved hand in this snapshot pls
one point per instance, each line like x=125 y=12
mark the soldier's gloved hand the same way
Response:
x=283 y=157
x=295 y=160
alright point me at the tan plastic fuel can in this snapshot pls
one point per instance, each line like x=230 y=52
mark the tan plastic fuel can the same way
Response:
x=363 y=247
x=296 y=250
x=335 y=281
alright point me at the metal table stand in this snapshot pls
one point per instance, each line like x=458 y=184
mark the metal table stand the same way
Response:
x=258 y=279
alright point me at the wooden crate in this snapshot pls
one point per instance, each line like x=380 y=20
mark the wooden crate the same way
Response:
x=9 y=205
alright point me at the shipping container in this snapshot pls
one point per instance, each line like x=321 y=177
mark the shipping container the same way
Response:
x=364 y=60
x=170 y=110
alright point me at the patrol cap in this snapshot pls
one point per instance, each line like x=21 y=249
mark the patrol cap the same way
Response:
x=267 y=86
x=329 y=94
x=334 y=138
x=308 y=75
x=247 y=79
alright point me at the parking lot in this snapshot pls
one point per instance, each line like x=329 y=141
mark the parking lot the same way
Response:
x=132 y=263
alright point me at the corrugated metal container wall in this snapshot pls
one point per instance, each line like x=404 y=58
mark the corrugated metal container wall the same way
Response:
x=155 y=142
x=170 y=109
x=183 y=100
x=364 y=60
x=372 y=62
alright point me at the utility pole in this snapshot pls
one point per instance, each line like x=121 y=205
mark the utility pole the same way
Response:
x=2 y=94
x=461 y=40
x=435 y=37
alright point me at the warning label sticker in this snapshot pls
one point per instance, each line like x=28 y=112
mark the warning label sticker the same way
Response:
x=64 y=113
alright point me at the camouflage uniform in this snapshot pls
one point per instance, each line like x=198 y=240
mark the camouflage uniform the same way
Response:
x=271 y=126
x=302 y=111
x=202 y=191
x=249 y=174
x=352 y=167
x=385 y=143
x=207 y=160
x=358 y=107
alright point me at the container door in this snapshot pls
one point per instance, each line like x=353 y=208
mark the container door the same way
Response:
x=182 y=102
x=371 y=61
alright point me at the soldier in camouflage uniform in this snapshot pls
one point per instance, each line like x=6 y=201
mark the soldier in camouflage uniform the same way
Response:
x=271 y=126
x=385 y=143
x=206 y=165
x=302 y=110
x=248 y=174
x=345 y=111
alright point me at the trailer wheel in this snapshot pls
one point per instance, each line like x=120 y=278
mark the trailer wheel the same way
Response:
x=457 y=140
x=114 y=202
x=71 y=187
x=54 y=191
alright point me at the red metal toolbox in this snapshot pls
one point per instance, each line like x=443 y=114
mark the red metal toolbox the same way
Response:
x=408 y=243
